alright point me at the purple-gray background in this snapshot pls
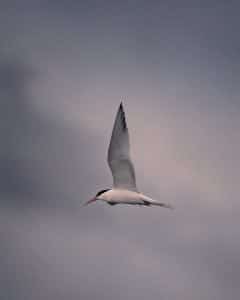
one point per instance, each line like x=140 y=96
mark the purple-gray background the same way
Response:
x=64 y=68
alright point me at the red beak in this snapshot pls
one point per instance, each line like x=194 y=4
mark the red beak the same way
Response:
x=90 y=201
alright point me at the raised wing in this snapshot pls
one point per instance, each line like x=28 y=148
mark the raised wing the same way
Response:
x=119 y=154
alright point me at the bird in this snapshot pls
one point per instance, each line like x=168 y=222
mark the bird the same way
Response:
x=124 y=190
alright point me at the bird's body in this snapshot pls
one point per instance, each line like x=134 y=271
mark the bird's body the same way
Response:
x=124 y=189
x=123 y=196
x=117 y=196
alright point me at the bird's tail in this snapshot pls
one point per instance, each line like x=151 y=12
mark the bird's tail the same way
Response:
x=165 y=205
x=148 y=201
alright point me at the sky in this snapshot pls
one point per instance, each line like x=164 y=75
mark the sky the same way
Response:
x=65 y=66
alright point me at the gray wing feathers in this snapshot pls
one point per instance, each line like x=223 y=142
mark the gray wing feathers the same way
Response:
x=119 y=154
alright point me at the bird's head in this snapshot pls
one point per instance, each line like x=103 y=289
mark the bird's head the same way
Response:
x=99 y=196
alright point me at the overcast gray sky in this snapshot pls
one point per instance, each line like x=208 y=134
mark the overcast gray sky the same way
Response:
x=64 y=68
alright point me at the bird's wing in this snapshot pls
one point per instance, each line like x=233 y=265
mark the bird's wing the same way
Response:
x=119 y=154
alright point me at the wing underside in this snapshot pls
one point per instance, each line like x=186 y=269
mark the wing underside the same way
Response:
x=119 y=154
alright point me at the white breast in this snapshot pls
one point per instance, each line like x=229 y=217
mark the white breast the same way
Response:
x=122 y=196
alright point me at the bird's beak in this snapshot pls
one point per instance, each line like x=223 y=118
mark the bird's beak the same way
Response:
x=90 y=201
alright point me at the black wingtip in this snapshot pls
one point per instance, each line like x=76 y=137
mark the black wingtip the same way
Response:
x=121 y=105
x=122 y=114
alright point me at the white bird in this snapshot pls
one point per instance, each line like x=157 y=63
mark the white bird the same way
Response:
x=124 y=189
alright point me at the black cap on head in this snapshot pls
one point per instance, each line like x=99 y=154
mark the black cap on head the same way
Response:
x=102 y=192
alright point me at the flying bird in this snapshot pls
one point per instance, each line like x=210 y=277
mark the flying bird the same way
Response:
x=124 y=190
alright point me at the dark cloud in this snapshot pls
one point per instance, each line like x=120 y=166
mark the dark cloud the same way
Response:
x=15 y=125
x=38 y=154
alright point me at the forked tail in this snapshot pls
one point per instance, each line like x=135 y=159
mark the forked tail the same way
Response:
x=165 y=205
x=148 y=202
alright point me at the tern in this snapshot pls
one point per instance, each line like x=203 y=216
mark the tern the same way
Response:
x=124 y=190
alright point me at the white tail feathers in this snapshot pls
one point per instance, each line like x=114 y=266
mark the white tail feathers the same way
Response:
x=162 y=205
x=148 y=201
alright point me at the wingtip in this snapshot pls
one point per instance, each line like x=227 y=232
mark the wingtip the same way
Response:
x=121 y=105
x=121 y=109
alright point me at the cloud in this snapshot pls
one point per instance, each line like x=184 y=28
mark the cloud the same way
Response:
x=38 y=154
x=60 y=85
